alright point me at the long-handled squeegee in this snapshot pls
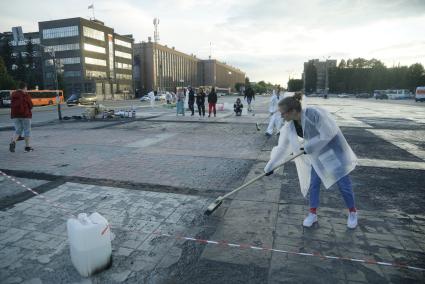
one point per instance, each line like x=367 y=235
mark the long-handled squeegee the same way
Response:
x=213 y=206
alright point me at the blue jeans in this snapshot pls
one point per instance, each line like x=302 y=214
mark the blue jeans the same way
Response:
x=344 y=185
x=180 y=107
x=22 y=125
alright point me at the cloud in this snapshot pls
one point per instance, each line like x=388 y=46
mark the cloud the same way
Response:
x=269 y=40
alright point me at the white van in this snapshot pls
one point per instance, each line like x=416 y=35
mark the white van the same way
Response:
x=420 y=94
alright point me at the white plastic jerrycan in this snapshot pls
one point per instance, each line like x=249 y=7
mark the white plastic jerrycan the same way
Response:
x=90 y=243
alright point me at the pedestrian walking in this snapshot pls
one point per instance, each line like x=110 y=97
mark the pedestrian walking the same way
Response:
x=237 y=107
x=200 y=102
x=249 y=96
x=151 y=96
x=180 y=102
x=275 y=117
x=21 y=114
x=191 y=100
x=212 y=101
x=328 y=160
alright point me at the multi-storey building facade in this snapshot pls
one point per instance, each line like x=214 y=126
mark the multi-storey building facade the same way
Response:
x=89 y=57
x=163 y=68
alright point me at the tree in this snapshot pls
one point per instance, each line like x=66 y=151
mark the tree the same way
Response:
x=6 y=54
x=415 y=76
x=295 y=85
x=310 y=78
x=6 y=81
x=342 y=64
x=238 y=86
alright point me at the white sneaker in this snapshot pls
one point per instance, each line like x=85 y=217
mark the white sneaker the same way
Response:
x=310 y=220
x=352 y=220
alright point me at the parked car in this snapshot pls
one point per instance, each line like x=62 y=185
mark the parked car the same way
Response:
x=381 y=96
x=420 y=94
x=5 y=98
x=88 y=99
x=82 y=99
x=343 y=96
x=364 y=95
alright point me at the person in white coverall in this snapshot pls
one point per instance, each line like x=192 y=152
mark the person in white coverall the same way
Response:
x=275 y=117
x=328 y=158
x=151 y=96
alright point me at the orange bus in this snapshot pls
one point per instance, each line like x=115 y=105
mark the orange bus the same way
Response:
x=45 y=97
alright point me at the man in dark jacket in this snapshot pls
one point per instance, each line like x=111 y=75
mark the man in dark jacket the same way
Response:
x=191 y=100
x=212 y=100
x=21 y=114
x=249 y=96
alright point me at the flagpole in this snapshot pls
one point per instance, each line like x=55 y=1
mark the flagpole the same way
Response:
x=92 y=8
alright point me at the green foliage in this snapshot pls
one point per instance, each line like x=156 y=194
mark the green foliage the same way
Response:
x=361 y=75
x=295 y=85
x=6 y=81
x=6 y=54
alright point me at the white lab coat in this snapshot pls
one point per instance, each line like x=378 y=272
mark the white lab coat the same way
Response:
x=273 y=107
x=327 y=150
x=275 y=118
x=151 y=96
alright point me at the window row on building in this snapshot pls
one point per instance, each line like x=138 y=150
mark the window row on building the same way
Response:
x=124 y=76
x=63 y=61
x=60 y=32
x=123 y=66
x=92 y=33
x=72 y=74
x=122 y=54
x=95 y=74
x=94 y=48
x=62 y=47
x=95 y=61
x=123 y=43
x=24 y=42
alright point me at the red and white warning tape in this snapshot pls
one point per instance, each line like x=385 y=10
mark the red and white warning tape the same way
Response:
x=228 y=244
x=51 y=202
x=266 y=248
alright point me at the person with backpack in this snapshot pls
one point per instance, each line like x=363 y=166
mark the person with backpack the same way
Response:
x=20 y=112
x=212 y=101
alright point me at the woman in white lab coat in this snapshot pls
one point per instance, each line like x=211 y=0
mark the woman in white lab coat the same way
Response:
x=275 y=118
x=328 y=160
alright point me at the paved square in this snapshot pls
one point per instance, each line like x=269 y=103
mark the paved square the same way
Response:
x=153 y=177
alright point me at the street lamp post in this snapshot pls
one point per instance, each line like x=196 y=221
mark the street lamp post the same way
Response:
x=326 y=78
x=51 y=51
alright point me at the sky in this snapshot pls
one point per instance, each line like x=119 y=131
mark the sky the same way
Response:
x=268 y=40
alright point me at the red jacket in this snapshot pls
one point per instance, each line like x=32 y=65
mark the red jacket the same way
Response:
x=21 y=105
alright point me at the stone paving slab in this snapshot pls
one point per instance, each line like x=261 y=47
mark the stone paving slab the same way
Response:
x=34 y=233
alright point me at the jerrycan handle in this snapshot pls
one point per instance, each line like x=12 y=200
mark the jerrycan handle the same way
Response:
x=82 y=217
